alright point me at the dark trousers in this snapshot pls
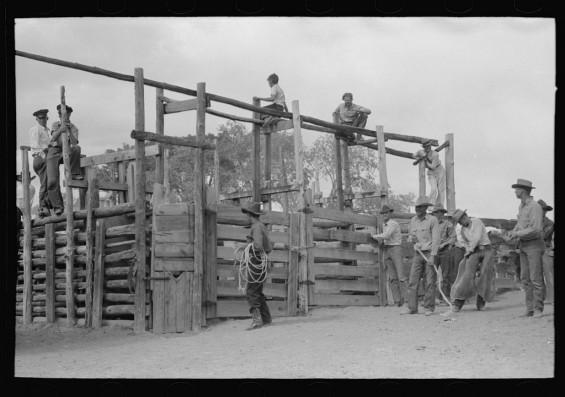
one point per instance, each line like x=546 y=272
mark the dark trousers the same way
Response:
x=256 y=300
x=448 y=271
x=54 y=158
x=396 y=277
x=272 y=106
x=468 y=281
x=40 y=168
x=531 y=263
x=421 y=269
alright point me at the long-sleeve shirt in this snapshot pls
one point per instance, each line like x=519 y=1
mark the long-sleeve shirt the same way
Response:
x=426 y=233
x=447 y=234
x=277 y=95
x=391 y=233
x=260 y=237
x=529 y=225
x=39 y=137
x=433 y=164
x=474 y=235
x=346 y=114
x=547 y=231
x=73 y=138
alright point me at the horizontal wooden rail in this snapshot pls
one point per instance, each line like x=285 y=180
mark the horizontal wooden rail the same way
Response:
x=106 y=185
x=103 y=212
x=234 y=117
x=114 y=157
x=264 y=191
x=170 y=140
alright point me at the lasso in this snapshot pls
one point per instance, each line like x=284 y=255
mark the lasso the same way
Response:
x=249 y=272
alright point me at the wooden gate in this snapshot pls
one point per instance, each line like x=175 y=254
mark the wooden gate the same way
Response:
x=172 y=267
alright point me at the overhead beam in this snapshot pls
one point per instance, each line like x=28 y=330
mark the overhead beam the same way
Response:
x=263 y=192
x=171 y=140
x=114 y=157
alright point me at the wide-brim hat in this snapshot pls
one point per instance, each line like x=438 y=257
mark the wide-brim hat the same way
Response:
x=427 y=143
x=439 y=208
x=69 y=109
x=458 y=214
x=524 y=183
x=253 y=208
x=40 y=111
x=544 y=205
x=422 y=201
x=386 y=209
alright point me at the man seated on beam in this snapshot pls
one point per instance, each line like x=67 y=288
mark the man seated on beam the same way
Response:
x=277 y=97
x=348 y=113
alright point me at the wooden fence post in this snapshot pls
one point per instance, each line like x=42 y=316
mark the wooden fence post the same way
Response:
x=450 y=173
x=50 y=272
x=217 y=170
x=130 y=180
x=211 y=264
x=69 y=255
x=139 y=324
x=346 y=172
x=268 y=164
x=284 y=180
x=421 y=179
x=91 y=203
x=338 y=173
x=98 y=277
x=256 y=156
x=383 y=182
x=199 y=207
x=307 y=271
x=159 y=130
x=28 y=280
x=292 y=282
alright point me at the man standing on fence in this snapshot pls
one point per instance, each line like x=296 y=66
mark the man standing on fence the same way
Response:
x=447 y=239
x=392 y=239
x=39 y=136
x=55 y=157
x=436 y=173
x=529 y=232
x=424 y=233
x=475 y=273
x=547 y=258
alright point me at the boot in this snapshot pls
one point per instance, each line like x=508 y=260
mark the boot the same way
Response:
x=458 y=304
x=480 y=302
x=256 y=321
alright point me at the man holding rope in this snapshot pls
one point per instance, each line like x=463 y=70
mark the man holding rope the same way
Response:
x=447 y=238
x=424 y=232
x=256 y=261
x=474 y=273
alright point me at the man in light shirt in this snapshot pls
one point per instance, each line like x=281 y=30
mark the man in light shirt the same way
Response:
x=349 y=113
x=40 y=136
x=447 y=237
x=474 y=273
x=529 y=232
x=547 y=258
x=391 y=239
x=277 y=97
x=424 y=233
x=436 y=173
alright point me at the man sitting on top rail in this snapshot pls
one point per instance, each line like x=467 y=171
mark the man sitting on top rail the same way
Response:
x=348 y=113
x=277 y=97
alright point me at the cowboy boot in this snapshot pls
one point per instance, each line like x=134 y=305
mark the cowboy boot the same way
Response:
x=256 y=321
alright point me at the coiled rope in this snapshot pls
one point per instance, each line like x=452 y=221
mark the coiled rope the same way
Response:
x=248 y=271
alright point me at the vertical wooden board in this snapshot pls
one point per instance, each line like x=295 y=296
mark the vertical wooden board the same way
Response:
x=182 y=304
x=159 y=130
x=210 y=270
x=156 y=286
x=293 y=277
x=91 y=203
x=188 y=298
x=130 y=179
x=256 y=155
x=50 y=272
x=122 y=179
x=158 y=304
x=309 y=241
x=98 y=276
x=338 y=175
x=421 y=179
x=170 y=306
x=27 y=247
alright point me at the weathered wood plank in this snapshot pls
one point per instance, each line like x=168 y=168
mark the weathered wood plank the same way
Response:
x=341 y=270
x=174 y=209
x=170 y=222
x=227 y=253
x=50 y=272
x=336 y=286
x=210 y=270
x=228 y=288
x=237 y=233
x=172 y=265
x=240 y=308
x=174 y=250
x=230 y=271
x=187 y=141
x=91 y=203
x=346 y=300
x=173 y=236
x=341 y=254
x=27 y=248
x=114 y=157
x=346 y=217
x=181 y=106
x=292 y=283
x=342 y=235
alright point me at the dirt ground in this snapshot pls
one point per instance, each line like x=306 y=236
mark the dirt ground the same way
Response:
x=350 y=342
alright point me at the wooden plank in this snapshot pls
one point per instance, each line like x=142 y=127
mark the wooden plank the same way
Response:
x=122 y=195
x=27 y=248
x=169 y=222
x=174 y=250
x=237 y=233
x=336 y=286
x=340 y=216
x=173 y=236
x=130 y=180
x=156 y=286
x=421 y=179
x=339 y=172
x=450 y=173
x=98 y=274
x=256 y=156
x=228 y=288
x=309 y=242
x=234 y=117
x=120 y=256
x=91 y=203
x=182 y=300
x=346 y=300
x=279 y=125
x=140 y=265
x=227 y=253
x=383 y=178
x=181 y=106
x=342 y=235
x=230 y=271
x=186 y=141
x=232 y=215
x=264 y=191
x=292 y=283
x=119 y=298
x=172 y=265
x=320 y=269
x=173 y=209
x=210 y=270
x=50 y=273
x=341 y=254
x=115 y=157
x=240 y=308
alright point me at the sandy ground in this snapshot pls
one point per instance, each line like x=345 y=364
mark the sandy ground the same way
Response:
x=350 y=342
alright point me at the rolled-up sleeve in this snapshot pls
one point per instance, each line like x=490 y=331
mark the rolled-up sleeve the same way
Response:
x=534 y=228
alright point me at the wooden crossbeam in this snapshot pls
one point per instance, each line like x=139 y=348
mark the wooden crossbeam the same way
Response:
x=171 y=140
x=264 y=191
x=105 y=185
x=234 y=117
x=114 y=157
x=279 y=125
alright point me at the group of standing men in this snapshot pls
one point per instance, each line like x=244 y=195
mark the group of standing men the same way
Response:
x=47 y=151
x=459 y=245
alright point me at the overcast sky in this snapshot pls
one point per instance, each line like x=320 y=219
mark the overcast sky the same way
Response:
x=489 y=81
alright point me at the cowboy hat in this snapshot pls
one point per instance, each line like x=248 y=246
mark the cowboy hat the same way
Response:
x=422 y=201
x=439 y=208
x=385 y=209
x=457 y=214
x=427 y=143
x=253 y=208
x=544 y=206
x=523 y=183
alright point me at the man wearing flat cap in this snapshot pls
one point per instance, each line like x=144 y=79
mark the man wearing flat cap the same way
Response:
x=474 y=274
x=529 y=232
x=447 y=238
x=436 y=173
x=391 y=238
x=55 y=157
x=348 y=113
x=424 y=233
x=547 y=258
x=39 y=136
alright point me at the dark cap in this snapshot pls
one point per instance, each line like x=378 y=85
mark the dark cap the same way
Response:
x=40 y=112
x=253 y=208
x=69 y=109
x=427 y=143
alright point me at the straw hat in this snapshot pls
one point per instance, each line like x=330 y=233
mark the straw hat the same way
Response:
x=457 y=214
x=422 y=201
x=439 y=208
x=253 y=208
x=523 y=183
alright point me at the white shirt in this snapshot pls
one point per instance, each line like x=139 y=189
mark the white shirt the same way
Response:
x=278 y=95
x=39 y=138
x=20 y=194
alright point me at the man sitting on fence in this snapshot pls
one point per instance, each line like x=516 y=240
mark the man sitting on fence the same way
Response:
x=475 y=273
x=277 y=97
x=391 y=238
x=55 y=157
